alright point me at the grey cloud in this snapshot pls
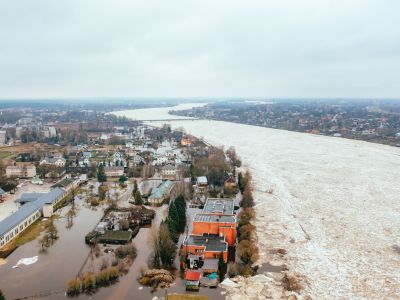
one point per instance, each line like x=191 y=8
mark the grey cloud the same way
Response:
x=276 y=48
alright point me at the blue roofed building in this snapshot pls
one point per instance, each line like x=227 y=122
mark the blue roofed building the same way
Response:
x=161 y=193
x=34 y=205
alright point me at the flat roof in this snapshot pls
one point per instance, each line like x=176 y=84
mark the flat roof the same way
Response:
x=212 y=242
x=211 y=263
x=204 y=217
x=223 y=206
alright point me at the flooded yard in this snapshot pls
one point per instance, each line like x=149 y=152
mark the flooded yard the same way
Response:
x=57 y=265
x=48 y=277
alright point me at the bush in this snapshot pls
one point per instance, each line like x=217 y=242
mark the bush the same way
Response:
x=88 y=281
x=123 y=225
x=94 y=201
x=126 y=250
x=246 y=216
x=74 y=287
x=247 y=200
x=107 y=276
x=291 y=283
x=247 y=232
x=247 y=251
x=237 y=269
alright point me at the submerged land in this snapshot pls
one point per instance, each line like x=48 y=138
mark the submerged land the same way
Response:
x=326 y=208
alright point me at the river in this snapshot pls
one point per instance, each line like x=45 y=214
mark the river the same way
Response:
x=333 y=204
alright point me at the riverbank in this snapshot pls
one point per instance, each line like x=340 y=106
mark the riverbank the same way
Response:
x=333 y=206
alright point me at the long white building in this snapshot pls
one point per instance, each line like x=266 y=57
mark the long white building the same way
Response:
x=34 y=206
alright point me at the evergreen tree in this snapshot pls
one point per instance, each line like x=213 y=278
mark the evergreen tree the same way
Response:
x=173 y=221
x=180 y=204
x=192 y=173
x=122 y=179
x=241 y=182
x=2 y=297
x=101 y=176
x=221 y=267
x=138 y=198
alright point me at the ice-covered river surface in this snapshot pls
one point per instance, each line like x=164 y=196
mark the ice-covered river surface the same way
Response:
x=332 y=203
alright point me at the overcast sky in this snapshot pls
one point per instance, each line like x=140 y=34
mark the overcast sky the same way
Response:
x=167 y=48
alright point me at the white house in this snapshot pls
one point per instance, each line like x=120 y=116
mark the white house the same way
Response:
x=169 y=172
x=59 y=162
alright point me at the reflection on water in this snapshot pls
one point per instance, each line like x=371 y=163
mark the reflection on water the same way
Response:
x=47 y=278
x=57 y=265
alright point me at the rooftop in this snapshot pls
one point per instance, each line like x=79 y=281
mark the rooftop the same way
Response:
x=28 y=197
x=212 y=242
x=213 y=218
x=224 y=206
x=202 y=180
x=211 y=264
x=193 y=275
x=162 y=189
x=26 y=210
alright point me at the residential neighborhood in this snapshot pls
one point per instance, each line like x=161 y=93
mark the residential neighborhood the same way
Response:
x=139 y=176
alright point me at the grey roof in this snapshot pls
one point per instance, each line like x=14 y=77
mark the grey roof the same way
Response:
x=162 y=190
x=29 y=197
x=2 y=192
x=16 y=218
x=223 y=206
x=211 y=264
x=203 y=217
x=212 y=242
x=26 y=210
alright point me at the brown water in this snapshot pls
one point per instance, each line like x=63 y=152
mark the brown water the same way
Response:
x=47 y=278
x=128 y=286
x=57 y=265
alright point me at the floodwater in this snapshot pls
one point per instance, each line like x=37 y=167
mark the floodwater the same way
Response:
x=60 y=263
x=333 y=204
x=128 y=286
x=48 y=277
